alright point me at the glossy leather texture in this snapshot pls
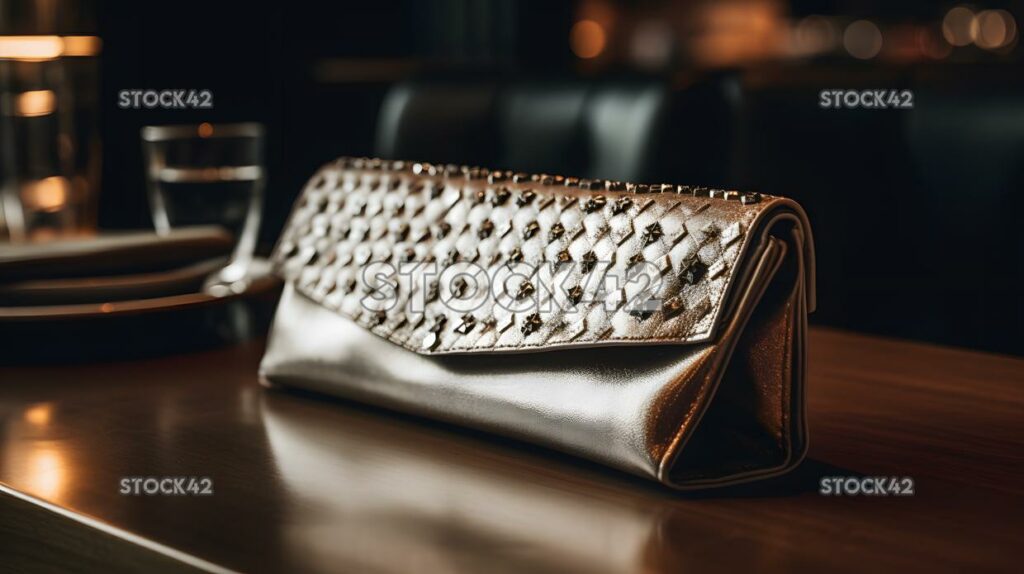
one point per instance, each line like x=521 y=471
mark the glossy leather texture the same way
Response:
x=704 y=390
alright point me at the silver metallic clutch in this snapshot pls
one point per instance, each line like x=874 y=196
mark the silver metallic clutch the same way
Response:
x=657 y=329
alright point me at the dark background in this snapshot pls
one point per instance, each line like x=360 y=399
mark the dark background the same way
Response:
x=916 y=212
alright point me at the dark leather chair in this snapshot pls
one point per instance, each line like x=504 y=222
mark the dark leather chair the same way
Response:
x=627 y=130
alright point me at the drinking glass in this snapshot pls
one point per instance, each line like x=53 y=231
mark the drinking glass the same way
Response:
x=209 y=174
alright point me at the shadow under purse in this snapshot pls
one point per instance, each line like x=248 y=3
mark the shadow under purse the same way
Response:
x=657 y=329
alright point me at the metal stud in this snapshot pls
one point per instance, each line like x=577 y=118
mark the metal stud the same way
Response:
x=525 y=290
x=515 y=256
x=592 y=204
x=557 y=230
x=437 y=325
x=531 y=229
x=640 y=313
x=432 y=292
x=589 y=260
x=750 y=198
x=451 y=258
x=693 y=272
x=500 y=196
x=563 y=257
x=621 y=205
x=652 y=233
x=467 y=324
x=575 y=294
x=443 y=229
x=531 y=324
x=423 y=169
x=485 y=229
x=673 y=307
x=526 y=197
x=459 y=287
x=378 y=318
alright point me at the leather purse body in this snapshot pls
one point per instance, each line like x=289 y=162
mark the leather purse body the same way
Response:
x=657 y=329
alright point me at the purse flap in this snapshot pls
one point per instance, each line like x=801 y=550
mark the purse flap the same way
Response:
x=459 y=260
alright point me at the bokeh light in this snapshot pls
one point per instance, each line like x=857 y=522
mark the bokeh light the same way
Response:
x=862 y=39
x=587 y=39
x=814 y=35
x=960 y=27
x=996 y=29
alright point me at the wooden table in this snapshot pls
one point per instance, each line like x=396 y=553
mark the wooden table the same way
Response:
x=306 y=484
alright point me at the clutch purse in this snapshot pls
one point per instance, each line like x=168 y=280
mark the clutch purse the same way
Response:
x=657 y=329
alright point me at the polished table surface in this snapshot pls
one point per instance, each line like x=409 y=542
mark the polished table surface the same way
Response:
x=302 y=483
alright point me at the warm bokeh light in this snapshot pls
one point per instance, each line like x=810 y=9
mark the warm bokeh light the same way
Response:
x=996 y=29
x=652 y=44
x=46 y=471
x=814 y=35
x=34 y=103
x=82 y=45
x=48 y=194
x=862 y=39
x=205 y=130
x=587 y=39
x=960 y=27
x=30 y=48
x=738 y=32
x=39 y=415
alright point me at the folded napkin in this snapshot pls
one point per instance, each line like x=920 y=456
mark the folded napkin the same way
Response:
x=112 y=266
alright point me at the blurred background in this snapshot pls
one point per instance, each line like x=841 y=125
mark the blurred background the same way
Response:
x=915 y=211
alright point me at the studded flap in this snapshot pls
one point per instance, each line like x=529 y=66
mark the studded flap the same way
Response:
x=455 y=259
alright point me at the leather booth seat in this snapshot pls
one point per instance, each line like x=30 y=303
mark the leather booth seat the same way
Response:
x=626 y=130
